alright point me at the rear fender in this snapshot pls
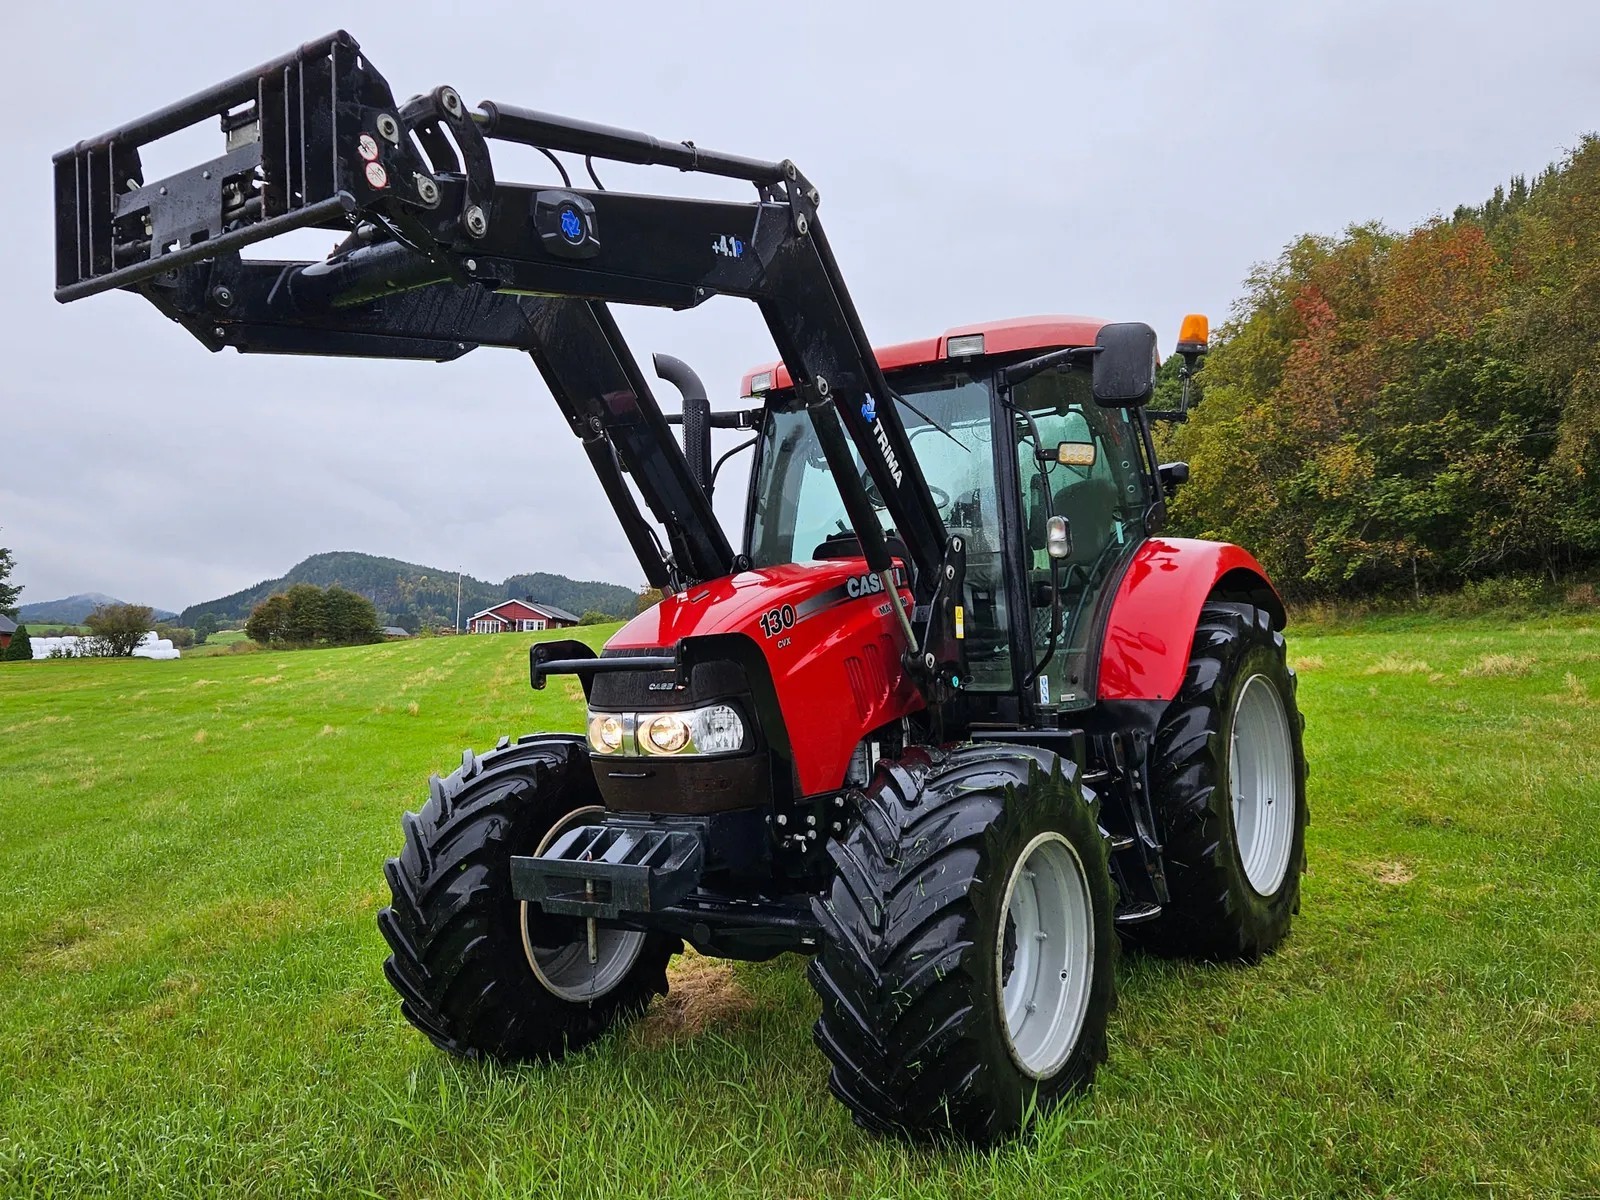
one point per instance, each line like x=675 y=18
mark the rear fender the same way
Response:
x=1150 y=630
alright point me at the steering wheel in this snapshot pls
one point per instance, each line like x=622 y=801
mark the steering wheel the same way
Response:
x=941 y=498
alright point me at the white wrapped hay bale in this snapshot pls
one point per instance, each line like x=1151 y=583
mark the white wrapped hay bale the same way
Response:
x=73 y=646
x=68 y=646
x=150 y=646
x=58 y=647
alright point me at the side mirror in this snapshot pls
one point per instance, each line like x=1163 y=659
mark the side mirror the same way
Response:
x=1173 y=475
x=1058 y=538
x=1125 y=365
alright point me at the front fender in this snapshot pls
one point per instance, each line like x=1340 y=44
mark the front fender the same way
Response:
x=1150 y=630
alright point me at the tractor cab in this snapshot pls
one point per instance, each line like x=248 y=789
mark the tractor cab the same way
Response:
x=1050 y=490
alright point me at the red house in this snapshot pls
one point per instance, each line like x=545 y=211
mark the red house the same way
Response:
x=515 y=616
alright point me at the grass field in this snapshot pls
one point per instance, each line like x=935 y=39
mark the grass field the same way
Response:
x=221 y=642
x=191 y=998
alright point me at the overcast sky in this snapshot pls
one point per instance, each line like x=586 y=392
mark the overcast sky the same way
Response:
x=975 y=161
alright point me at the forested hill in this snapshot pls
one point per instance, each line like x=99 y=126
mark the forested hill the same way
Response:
x=1412 y=411
x=412 y=595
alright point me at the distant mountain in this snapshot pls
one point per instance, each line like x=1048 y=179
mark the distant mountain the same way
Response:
x=72 y=610
x=413 y=595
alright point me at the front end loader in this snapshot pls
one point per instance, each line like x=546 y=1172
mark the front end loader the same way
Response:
x=952 y=718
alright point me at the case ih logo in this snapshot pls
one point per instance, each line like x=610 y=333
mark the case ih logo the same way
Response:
x=870 y=584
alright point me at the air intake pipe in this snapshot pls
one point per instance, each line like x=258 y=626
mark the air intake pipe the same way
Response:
x=696 y=416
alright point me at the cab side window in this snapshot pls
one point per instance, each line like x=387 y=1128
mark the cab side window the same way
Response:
x=1093 y=477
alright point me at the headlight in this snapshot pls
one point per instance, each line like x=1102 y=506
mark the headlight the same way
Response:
x=664 y=733
x=718 y=730
x=715 y=729
x=606 y=733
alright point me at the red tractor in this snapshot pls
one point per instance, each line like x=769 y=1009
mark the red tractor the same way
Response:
x=951 y=718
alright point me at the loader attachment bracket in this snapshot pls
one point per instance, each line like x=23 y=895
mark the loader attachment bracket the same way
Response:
x=115 y=229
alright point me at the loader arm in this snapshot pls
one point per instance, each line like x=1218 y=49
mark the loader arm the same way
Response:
x=439 y=257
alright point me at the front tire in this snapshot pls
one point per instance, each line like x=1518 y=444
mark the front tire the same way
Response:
x=1229 y=781
x=967 y=965
x=479 y=973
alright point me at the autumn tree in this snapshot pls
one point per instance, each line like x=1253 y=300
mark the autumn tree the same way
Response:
x=307 y=615
x=1396 y=412
x=269 y=621
x=181 y=636
x=307 y=620
x=117 y=629
x=348 y=618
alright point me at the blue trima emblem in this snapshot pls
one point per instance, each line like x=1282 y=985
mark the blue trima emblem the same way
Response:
x=571 y=225
x=869 y=409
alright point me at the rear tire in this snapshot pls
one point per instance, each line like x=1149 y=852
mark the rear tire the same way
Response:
x=1229 y=780
x=459 y=960
x=942 y=1011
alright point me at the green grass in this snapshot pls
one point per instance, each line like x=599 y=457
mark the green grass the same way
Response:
x=221 y=642
x=191 y=998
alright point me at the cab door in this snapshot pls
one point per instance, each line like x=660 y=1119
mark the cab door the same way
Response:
x=1077 y=460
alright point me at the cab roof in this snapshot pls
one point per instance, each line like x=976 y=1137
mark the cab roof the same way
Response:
x=999 y=337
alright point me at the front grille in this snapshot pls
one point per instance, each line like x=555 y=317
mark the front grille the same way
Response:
x=626 y=691
x=687 y=786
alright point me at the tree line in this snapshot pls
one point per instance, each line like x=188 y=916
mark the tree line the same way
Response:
x=308 y=615
x=416 y=597
x=1408 y=412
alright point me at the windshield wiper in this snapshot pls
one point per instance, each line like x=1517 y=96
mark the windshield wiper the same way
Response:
x=1020 y=372
x=899 y=399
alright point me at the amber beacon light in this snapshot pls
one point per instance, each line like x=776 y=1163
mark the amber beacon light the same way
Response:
x=1193 y=334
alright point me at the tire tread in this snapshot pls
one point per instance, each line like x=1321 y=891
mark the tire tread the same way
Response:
x=899 y=967
x=456 y=957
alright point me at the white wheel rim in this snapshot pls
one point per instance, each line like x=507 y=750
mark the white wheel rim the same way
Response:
x=565 y=970
x=1044 y=987
x=1261 y=774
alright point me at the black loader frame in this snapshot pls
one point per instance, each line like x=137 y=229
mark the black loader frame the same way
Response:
x=439 y=258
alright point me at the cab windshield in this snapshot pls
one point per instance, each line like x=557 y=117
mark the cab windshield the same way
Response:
x=1072 y=458
x=948 y=419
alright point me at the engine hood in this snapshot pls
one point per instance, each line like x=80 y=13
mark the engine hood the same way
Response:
x=832 y=654
x=741 y=603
